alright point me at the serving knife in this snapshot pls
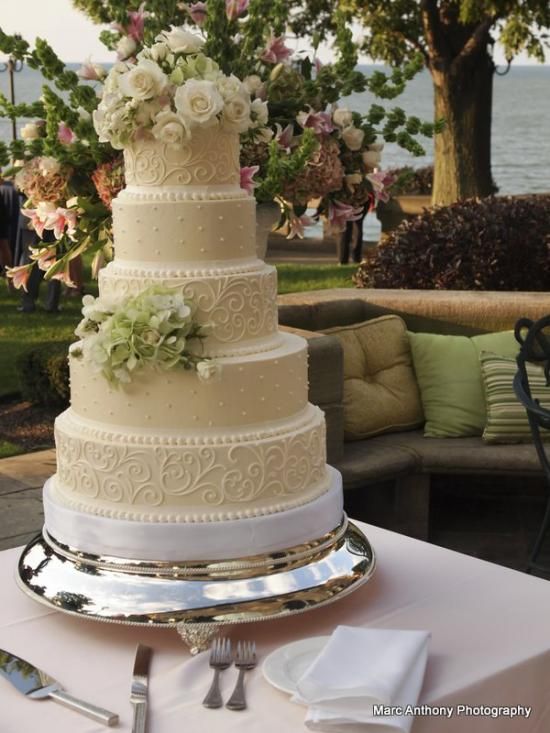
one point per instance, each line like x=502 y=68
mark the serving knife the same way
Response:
x=140 y=682
x=38 y=685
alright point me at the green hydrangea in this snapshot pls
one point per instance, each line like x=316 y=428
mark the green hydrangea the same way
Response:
x=153 y=329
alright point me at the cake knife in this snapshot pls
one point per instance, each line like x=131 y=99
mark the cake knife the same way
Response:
x=38 y=685
x=140 y=681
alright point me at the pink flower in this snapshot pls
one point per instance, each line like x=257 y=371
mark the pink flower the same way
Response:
x=38 y=222
x=319 y=122
x=296 y=226
x=247 y=174
x=136 y=24
x=198 y=12
x=339 y=214
x=64 y=276
x=61 y=220
x=318 y=65
x=91 y=72
x=380 y=183
x=235 y=8
x=275 y=50
x=19 y=275
x=284 y=137
x=65 y=135
x=44 y=257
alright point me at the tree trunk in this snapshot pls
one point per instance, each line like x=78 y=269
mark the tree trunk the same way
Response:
x=463 y=98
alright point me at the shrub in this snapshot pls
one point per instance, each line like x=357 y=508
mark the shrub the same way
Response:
x=412 y=181
x=490 y=244
x=44 y=374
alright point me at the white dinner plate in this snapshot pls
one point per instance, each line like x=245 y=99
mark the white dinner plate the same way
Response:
x=284 y=667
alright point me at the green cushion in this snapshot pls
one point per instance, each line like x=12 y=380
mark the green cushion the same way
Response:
x=449 y=377
x=507 y=420
x=380 y=390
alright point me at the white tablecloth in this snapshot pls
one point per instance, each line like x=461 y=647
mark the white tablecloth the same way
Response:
x=490 y=646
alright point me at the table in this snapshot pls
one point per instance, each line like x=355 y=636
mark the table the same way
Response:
x=490 y=646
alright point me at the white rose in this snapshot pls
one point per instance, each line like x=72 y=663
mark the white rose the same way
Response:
x=169 y=129
x=159 y=51
x=181 y=41
x=236 y=114
x=208 y=371
x=342 y=117
x=371 y=158
x=259 y=112
x=198 y=102
x=30 y=131
x=143 y=81
x=353 y=137
x=229 y=86
x=49 y=166
x=126 y=47
x=252 y=83
x=377 y=147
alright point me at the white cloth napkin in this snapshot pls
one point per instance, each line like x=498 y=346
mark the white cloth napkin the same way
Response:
x=360 y=668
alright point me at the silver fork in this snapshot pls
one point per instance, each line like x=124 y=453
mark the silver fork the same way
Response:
x=245 y=659
x=220 y=658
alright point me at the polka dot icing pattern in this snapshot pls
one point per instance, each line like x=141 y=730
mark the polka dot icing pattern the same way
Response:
x=153 y=478
x=184 y=232
x=252 y=389
x=237 y=307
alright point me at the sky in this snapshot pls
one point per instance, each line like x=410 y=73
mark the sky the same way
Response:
x=74 y=37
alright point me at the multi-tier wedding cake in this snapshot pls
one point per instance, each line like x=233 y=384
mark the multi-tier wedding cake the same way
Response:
x=225 y=459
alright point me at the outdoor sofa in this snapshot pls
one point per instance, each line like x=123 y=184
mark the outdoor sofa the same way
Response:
x=405 y=459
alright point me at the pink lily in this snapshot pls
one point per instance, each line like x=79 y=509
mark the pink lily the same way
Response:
x=247 y=174
x=296 y=226
x=275 y=50
x=319 y=122
x=284 y=137
x=381 y=181
x=63 y=218
x=235 y=8
x=19 y=275
x=64 y=276
x=38 y=222
x=65 y=135
x=91 y=72
x=339 y=214
x=198 y=12
x=44 y=257
x=134 y=29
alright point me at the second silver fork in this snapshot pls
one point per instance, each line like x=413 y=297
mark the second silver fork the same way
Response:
x=220 y=658
x=245 y=659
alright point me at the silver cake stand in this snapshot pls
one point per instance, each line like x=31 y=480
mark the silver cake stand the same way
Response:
x=200 y=597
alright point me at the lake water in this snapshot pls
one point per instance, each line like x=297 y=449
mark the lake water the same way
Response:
x=521 y=109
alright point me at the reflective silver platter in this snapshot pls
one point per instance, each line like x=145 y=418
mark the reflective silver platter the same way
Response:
x=196 y=598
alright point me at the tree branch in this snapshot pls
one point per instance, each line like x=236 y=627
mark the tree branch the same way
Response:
x=432 y=28
x=475 y=42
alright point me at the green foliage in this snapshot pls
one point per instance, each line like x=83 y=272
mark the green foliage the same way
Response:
x=44 y=374
x=471 y=245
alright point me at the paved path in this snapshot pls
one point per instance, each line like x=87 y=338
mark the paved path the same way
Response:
x=21 y=481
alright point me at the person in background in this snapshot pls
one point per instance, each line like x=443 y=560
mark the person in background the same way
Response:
x=6 y=257
x=350 y=241
x=10 y=198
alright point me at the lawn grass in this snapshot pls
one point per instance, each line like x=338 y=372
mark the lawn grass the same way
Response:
x=8 y=449
x=21 y=331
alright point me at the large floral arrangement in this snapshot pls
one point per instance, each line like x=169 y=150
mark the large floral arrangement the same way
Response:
x=169 y=91
x=153 y=329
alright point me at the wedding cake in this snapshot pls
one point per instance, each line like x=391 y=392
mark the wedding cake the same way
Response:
x=224 y=460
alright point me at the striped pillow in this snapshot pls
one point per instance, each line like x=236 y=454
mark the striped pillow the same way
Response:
x=506 y=417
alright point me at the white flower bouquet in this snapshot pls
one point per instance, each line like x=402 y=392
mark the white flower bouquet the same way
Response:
x=169 y=91
x=152 y=329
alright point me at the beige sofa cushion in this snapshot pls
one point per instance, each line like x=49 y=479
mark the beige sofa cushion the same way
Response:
x=380 y=390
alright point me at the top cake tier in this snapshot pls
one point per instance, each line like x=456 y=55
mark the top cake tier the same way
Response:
x=205 y=166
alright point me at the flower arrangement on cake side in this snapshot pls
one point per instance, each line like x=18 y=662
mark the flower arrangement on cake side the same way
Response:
x=153 y=329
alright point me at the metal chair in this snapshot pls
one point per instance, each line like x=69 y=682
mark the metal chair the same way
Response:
x=534 y=341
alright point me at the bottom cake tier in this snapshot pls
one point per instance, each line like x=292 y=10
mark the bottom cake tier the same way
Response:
x=194 y=541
